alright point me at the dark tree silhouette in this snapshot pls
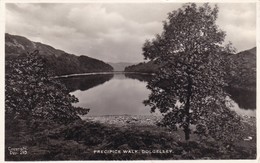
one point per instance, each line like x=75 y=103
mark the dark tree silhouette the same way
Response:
x=188 y=89
x=30 y=92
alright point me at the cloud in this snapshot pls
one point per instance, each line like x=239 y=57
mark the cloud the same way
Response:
x=114 y=32
x=239 y=22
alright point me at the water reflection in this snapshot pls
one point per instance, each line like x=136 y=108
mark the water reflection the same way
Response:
x=245 y=99
x=143 y=77
x=123 y=93
x=84 y=83
x=118 y=96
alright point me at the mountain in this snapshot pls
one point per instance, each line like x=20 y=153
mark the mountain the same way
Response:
x=146 y=67
x=252 y=51
x=60 y=62
x=247 y=58
x=120 y=66
x=243 y=74
x=245 y=69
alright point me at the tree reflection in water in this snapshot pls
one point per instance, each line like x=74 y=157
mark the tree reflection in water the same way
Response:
x=245 y=99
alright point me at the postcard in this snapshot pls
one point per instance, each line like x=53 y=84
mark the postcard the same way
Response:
x=122 y=80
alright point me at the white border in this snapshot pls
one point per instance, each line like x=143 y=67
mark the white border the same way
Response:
x=2 y=70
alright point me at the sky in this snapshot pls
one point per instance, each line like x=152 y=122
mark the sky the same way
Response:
x=115 y=32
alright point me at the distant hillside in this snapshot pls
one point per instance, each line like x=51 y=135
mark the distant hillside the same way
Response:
x=244 y=75
x=147 y=67
x=60 y=62
x=120 y=66
x=245 y=69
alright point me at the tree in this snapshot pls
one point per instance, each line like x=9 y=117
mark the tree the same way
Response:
x=188 y=89
x=33 y=93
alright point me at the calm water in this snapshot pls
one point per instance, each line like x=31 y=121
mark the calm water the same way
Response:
x=119 y=94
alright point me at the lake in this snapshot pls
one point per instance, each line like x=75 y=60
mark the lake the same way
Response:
x=123 y=94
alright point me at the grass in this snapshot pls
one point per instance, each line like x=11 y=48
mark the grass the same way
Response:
x=81 y=140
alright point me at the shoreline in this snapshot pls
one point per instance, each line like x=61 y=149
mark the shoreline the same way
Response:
x=100 y=73
x=121 y=132
x=124 y=120
x=142 y=120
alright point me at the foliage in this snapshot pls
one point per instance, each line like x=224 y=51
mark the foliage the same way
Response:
x=31 y=93
x=78 y=140
x=188 y=89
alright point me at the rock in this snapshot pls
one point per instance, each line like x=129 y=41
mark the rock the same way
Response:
x=134 y=119
x=248 y=138
x=124 y=147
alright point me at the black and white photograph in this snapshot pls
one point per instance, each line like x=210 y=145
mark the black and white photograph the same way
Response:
x=125 y=80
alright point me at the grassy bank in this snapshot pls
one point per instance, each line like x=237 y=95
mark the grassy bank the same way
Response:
x=95 y=139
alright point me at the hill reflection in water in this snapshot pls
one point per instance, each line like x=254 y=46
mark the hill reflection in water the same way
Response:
x=84 y=83
x=245 y=100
